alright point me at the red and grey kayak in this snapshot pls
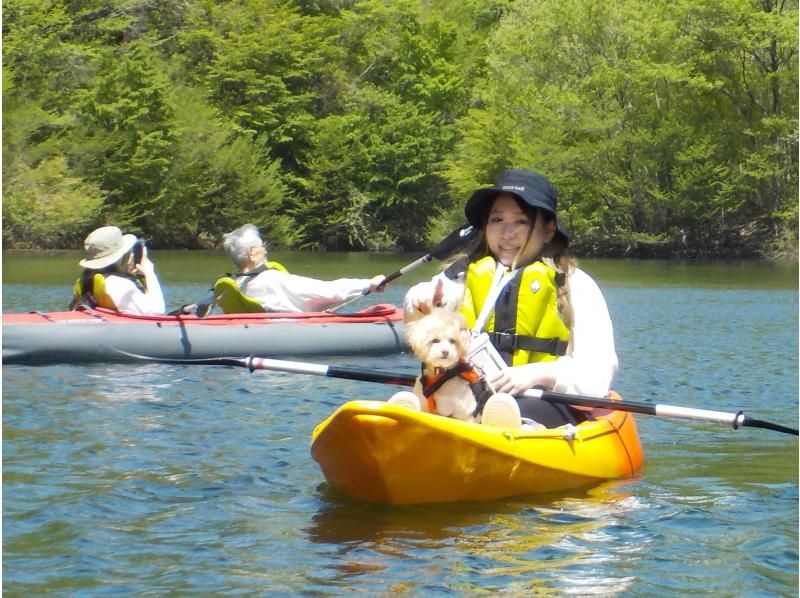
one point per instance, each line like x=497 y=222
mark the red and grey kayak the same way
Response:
x=101 y=335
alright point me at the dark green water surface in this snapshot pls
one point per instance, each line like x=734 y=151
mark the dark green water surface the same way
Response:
x=154 y=480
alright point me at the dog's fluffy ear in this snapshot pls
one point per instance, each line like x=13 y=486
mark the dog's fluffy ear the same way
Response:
x=415 y=336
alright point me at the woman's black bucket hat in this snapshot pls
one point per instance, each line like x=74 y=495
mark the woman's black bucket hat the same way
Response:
x=531 y=187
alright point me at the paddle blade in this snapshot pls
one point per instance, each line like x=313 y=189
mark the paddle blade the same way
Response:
x=230 y=361
x=456 y=240
x=759 y=423
x=448 y=246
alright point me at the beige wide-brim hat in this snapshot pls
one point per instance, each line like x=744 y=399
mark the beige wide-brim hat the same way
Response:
x=105 y=246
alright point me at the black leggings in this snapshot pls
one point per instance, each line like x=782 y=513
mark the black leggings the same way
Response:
x=550 y=415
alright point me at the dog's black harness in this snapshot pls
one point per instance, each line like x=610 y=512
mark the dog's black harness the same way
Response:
x=463 y=369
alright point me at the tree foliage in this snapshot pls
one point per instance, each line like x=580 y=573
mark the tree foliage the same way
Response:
x=365 y=124
x=655 y=120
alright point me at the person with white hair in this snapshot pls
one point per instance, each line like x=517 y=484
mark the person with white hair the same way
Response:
x=263 y=285
x=113 y=279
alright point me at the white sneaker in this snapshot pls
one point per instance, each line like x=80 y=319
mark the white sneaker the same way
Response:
x=405 y=399
x=501 y=410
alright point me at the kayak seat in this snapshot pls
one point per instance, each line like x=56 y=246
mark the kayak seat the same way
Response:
x=232 y=300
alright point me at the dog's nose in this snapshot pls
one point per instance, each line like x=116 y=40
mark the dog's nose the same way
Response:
x=445 y=352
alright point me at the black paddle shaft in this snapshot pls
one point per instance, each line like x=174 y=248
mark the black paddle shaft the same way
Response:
x=759 y=423
x=371 y=376
x=455 y=240
x=261 y=363
x=737 y=420
x=449 y=245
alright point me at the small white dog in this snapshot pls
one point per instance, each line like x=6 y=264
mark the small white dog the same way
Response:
x=449 y=384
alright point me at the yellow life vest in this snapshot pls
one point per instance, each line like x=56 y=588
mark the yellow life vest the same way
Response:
x=525 y=326
x=96 y=296
x=231 y=299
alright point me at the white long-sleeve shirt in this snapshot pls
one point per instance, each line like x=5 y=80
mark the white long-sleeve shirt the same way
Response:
x=590 y=364
x=130 y=299
x=279 y=291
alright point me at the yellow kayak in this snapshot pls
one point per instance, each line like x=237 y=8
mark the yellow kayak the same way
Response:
x=389 y=454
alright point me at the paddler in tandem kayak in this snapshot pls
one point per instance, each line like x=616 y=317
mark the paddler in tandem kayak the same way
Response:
x=262 y=285
x=118 y=275
x=546 y=317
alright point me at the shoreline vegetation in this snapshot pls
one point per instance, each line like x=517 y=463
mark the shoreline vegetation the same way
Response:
x=734 y=248
x=669 y=128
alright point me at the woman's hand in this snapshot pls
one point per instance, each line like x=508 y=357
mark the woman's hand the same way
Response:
x=517 y=379
x=424 y=303
x=145 y=267
x=376 y=284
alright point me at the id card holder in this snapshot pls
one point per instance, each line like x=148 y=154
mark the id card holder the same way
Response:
x=483 y=355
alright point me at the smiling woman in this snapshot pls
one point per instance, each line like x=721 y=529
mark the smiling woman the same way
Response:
x=546 y=317
x=511 y=234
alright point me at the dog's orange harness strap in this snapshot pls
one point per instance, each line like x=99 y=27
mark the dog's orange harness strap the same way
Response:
x=430 y=384
x=432 y=404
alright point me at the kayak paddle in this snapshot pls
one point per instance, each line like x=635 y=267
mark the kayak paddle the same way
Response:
x=446 y=247
x=736 y=420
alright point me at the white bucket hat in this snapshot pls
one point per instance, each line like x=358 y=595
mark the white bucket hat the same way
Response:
x=106 y=246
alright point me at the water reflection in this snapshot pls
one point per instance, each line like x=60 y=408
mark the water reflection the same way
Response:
x=517 y=545
x=130 y=383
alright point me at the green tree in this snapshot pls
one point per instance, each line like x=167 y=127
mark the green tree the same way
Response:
x=651 y=118
x=556 y=101
x=378 y=151
x=746 y=53
x=45 y=203
x=374 y=175
x=267 y=89
x=127 y=136
x=337 y=123
x=218 y=181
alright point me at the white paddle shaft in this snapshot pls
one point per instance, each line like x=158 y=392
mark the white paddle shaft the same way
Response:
x=295 y=367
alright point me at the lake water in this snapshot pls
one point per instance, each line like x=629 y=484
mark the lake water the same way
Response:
x=155 y=480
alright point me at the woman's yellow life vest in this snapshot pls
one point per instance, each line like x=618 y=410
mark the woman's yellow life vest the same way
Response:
x=96 y=296
x=231 y=299
x=525 y=326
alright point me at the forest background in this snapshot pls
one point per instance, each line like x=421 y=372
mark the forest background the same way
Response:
x=670 y=127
